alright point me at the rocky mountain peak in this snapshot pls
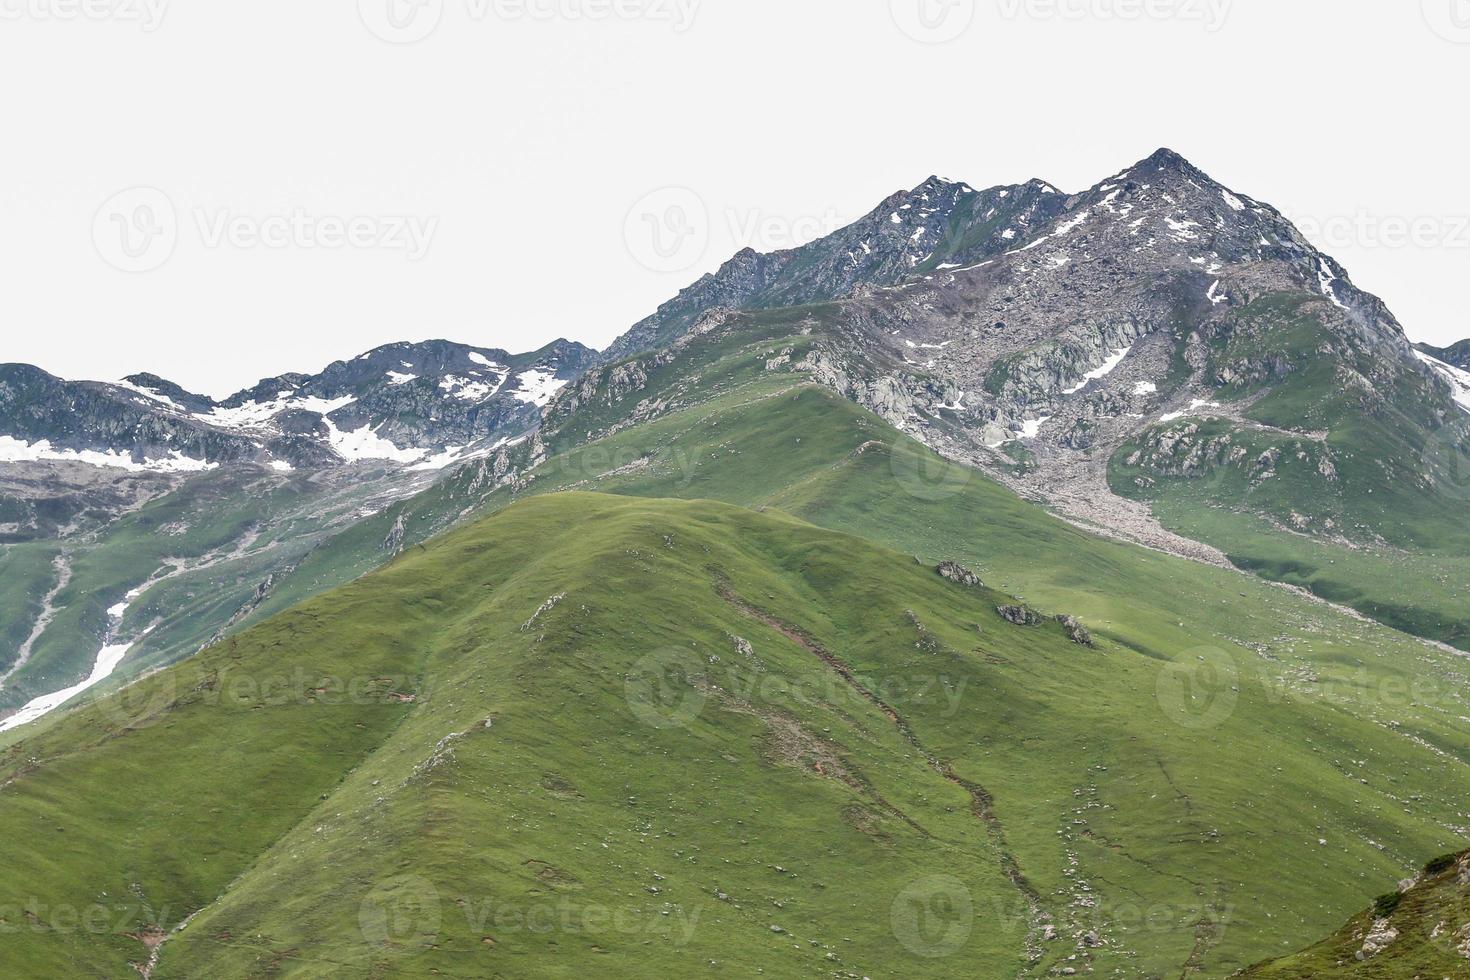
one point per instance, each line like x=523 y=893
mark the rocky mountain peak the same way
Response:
x=1165 y=159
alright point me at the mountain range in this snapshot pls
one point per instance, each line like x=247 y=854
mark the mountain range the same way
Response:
x=1015 y=582
x=426 y=404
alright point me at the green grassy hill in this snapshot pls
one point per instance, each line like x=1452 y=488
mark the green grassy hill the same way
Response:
x=1422 y=931
x=540 y=747
x=889 y=774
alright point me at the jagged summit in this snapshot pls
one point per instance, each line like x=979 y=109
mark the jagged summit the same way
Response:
x=938 y=223
x=1166 y=159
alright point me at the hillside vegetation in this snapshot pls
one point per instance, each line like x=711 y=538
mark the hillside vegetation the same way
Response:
x=620 y=735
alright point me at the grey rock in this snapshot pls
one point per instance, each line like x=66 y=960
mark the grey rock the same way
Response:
x=959 y=574
x=1076 y=632
x=1020 y=615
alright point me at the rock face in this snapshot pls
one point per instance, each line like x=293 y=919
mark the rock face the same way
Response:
x=1020 y=615
x=1077 y=323
x=960 y=575
x=1050 y=337
x=405 y=404
x=939 y=224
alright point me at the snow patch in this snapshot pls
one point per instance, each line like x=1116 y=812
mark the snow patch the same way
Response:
x=16 y=451
x=107 y=661
x=1182 y=230
x=1459 y=380
x=447 y=458
x=150 y=394
x=1194 y=406
x=365 y=444
x=1107 y=368
x=252 y=414
x=1031 y=428
x=466 y=390
x=539 y=387
x=1328 y=277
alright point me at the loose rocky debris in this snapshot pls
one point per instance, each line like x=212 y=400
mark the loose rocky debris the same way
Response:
x=1379 y=938
x=926 y=641
x=546 y=607
x=443 y=753
x=393 y=543
x=960 y=575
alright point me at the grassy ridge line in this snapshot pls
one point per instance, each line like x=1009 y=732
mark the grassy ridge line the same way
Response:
x=480 y=599
x=1423 y=931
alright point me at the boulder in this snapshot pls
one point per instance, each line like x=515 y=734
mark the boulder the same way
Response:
x=960 y=575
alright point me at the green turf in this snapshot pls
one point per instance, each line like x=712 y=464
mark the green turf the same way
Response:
x=1423 y=931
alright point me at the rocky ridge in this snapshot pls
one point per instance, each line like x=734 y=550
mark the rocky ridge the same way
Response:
x=424 y=405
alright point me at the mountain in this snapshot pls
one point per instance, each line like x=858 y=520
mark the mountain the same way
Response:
x=425 y=404
x=1421 y=929
x=143 y=512
x=1170 y=360
x=939 y=222
x=767 y=652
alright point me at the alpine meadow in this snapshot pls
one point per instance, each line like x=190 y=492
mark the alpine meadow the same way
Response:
x=1012 y=582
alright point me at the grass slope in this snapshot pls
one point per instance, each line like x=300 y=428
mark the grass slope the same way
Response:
x=1168 y=792
x=1422 y=931
x=892 y=775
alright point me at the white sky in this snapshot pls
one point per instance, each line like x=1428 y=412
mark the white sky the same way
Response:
x=529 y=140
